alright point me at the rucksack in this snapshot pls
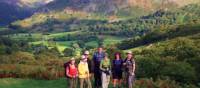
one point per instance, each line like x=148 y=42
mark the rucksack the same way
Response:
x=132 y=62
x=66 y=65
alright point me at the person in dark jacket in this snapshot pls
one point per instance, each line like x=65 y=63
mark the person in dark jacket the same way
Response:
x=89 y=61
x=117 y=65
x=97 y=58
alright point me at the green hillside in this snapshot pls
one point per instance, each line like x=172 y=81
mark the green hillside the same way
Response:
x=165 y=43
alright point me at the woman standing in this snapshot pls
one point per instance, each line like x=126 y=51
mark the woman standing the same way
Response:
x=72 y=73
x=117 y=65
x=83 y=71
x=129 y=64
x=105 y=67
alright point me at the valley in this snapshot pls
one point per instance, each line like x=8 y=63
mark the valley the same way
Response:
x=164 y=36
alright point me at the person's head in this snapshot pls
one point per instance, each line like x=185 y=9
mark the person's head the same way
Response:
x=86 y=53
x=72 y=60
x=117 y=55
x=129 y=55
x=100 y=49
x=83 y=58
x=106 y=56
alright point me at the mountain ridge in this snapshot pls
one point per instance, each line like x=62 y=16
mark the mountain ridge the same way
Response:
x=112 y=6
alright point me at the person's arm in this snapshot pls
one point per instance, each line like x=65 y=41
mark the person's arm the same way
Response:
x=112 y=65
x=67 y=72
x=124 y=62
x=92 y=66
x=89 y=65
x=93 y=59
x=134 y=67
x=87 y=71
x=101 y=66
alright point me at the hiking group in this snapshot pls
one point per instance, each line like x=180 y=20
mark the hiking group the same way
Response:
x=102 y=70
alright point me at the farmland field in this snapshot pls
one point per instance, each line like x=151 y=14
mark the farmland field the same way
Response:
x=39 y=38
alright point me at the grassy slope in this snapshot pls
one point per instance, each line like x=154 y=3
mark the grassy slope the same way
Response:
x=160 y=44
x=163 y=44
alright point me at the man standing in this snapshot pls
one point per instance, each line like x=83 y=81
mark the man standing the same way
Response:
x=89 y=61
x=129 y=64
x=97 y=58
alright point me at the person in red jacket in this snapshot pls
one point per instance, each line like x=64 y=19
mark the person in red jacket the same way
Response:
x=72 y=73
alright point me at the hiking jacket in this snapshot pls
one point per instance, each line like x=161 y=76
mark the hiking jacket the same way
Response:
x=83 y=70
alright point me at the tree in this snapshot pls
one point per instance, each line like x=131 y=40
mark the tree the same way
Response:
x=81 y=43
x=68 y=52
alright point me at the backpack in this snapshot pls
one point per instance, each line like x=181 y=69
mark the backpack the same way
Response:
x=132 y=62
x=66 y=65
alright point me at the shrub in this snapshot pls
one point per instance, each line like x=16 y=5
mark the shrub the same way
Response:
x=68 y=52
x=179 y=71
x=149 y=83
x=148 y=67
x=23 y=58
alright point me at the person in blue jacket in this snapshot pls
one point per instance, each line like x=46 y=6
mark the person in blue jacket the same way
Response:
x=97 y=58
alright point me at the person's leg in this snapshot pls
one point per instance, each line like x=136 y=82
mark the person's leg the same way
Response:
x=119 y=80
x=97 y=76
x=95 y=80
x=99 y=80
x=130 y=81
x=81 y=82
x=119 y=83
x=114 y=83
x=127 y=81
x=75 y=82
x=103 y=78
x=85 y=83
x=107 y=80
x=89 y=85
x=124 y=82
x=70 y=83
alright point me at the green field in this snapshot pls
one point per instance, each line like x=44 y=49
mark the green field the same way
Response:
x=30 y=83
x=63 y=83
x=40 y=38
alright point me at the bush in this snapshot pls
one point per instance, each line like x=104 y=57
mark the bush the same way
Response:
x=23 y=58
x=149 y=83
x=194 y=62
x=68 y=52
x=179 y=71
x=31 y=71
x=148 y=67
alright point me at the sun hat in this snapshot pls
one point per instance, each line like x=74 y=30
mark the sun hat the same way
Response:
x=129 y=52
x=86 y=52
x=72 y=58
